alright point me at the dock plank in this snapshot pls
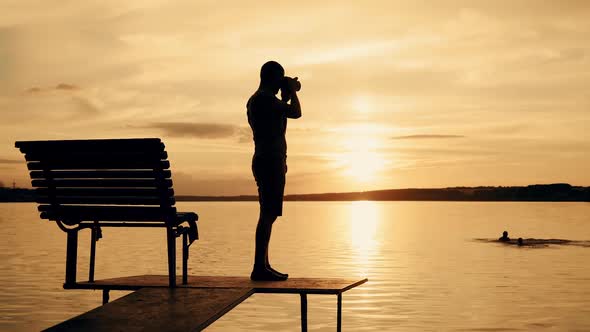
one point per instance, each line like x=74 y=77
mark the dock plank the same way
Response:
x=291 y=285
x=159 y=309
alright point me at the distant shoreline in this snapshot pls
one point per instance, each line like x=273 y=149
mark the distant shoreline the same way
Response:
x=558 y=192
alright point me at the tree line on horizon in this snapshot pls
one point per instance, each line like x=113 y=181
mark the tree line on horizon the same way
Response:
x=538 y=192
x=558 y=192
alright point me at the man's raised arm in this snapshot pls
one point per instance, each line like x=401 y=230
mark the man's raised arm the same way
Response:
x=293 y=110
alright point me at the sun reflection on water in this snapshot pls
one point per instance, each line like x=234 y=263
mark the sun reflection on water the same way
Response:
x=364 y=219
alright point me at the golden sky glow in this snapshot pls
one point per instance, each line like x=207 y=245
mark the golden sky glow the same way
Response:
x=394 y=94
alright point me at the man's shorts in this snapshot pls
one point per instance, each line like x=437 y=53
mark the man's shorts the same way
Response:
x=269 y=174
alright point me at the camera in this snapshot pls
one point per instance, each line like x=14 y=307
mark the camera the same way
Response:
x=285 y=83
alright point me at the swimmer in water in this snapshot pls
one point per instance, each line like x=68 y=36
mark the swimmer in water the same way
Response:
x=504 y=237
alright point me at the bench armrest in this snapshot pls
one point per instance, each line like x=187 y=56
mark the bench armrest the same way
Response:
x=191 y=218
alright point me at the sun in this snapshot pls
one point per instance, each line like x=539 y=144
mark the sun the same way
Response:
x=361 y=104
x=361 y=161
x=363 y=166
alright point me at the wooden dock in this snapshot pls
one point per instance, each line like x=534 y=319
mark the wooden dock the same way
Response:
x=159 y=309
x=191 y=306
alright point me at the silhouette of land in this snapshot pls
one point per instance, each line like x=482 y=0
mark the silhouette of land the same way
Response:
x=559 y=192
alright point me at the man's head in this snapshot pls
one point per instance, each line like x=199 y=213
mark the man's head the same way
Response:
x=271 y=75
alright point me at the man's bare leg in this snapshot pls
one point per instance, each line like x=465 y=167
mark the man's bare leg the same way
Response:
x=263 y=231
x=267 y=263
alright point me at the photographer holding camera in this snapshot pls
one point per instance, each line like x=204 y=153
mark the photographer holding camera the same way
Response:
x=267 y=116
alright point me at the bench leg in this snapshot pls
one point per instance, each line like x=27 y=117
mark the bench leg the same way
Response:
x=184 y=258
x=171 y=240
x=71 y=257
x=93 y=239
x=303 y=312
x=105 y=296
x=339 y=314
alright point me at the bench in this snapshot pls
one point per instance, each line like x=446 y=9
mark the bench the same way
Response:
x=99 y=183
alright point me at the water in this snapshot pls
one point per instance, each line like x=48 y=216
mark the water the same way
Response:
x=427 y=271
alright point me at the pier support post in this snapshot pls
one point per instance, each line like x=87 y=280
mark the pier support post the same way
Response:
x=339 y=314
x=303 y=312
x=105 y=296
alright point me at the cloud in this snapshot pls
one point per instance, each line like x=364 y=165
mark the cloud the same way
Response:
x=33 y=90
x=59 y=87
x=428 y=136
x=244 y=135
x=68 y=100
x=85 y=106
x=64 y=86
x=199 y=130
x=9 y=161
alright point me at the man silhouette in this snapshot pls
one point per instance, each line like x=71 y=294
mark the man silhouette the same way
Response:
x=267 y=116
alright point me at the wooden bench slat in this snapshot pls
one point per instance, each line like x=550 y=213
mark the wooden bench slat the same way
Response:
x=98 y=164
x=100 y=183
x=139 y=144
x=100 y=174
x=114 y=200
x=100 y=192
x=106 y=209
x=75 y=218
x=107 y=213
x=50 y=155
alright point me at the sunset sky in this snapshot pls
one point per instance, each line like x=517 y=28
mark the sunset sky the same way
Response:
x=394 y=94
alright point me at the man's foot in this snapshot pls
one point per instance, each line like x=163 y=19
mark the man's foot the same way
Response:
x=284 y=275
x=266 y=275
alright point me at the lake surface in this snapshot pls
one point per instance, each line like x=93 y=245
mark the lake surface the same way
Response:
x=426 y=270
